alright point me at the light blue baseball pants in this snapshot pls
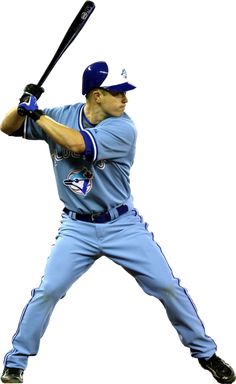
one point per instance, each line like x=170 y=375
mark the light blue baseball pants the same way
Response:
x=127 y=242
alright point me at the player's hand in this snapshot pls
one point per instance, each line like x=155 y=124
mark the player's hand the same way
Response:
x=28 y=107
x=34 y=90
x=30 y=89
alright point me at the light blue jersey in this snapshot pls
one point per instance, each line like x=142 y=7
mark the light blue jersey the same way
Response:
x=99 y=179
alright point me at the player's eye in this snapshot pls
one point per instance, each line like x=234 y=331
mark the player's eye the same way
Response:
x=115 y=93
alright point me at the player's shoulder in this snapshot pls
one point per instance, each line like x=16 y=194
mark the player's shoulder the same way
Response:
x=123 y=121
x=120 y=127
x=64 y=109
x=125 y=118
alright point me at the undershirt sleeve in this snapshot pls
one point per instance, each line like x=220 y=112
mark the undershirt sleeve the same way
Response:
x=19 y=132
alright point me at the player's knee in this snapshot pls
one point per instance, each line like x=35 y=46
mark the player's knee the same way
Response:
x=53 y=292
x=158 y=287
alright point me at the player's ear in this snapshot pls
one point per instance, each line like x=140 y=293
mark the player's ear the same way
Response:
x=97 y=95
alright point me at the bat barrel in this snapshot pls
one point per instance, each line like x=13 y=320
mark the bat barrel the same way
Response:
x=76 y=26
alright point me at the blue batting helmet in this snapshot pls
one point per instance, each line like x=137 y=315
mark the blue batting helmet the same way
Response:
x=99 y=75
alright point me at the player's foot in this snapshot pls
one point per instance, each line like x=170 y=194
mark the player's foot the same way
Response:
x=221 y=371
x=12 y=375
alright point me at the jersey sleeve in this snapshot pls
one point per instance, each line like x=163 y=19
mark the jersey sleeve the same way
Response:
x=66 y=115
x=114 y=138
x=32 y=131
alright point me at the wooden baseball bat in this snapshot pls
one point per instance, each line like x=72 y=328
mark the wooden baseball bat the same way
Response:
x=70 y=35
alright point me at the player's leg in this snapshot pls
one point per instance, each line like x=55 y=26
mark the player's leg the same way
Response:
x=71 y=256
x=132 y=246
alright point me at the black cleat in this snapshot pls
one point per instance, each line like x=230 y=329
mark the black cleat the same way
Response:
x=221 y=371
x=12 y=375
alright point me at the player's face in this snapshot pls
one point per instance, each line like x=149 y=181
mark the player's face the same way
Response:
x=113 y=103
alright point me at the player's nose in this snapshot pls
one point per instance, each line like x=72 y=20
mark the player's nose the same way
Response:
x=124 y=98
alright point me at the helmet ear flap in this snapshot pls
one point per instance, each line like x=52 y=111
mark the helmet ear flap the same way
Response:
x=93 y=76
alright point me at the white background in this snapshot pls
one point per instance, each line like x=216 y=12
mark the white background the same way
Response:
x=181 y=55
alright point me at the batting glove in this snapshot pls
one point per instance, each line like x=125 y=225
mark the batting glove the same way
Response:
x=28 y=107
x=34 y=89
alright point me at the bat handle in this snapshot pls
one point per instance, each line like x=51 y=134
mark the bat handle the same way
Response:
x=41 y=81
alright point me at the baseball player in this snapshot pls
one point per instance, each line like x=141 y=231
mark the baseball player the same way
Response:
x=92 y=148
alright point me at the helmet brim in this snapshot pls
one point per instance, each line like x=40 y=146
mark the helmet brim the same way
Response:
x=124 y=87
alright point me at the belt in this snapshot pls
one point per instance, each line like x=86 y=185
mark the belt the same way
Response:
x=103 y=217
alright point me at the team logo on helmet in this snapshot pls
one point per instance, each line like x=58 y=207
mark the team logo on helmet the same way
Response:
x=124 y=73
x=79 y=181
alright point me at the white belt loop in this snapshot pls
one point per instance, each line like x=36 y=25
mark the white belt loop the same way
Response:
x=113 y=213
x=72 y=215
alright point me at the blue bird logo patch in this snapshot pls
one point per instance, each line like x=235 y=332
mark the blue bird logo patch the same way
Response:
x=79 y=181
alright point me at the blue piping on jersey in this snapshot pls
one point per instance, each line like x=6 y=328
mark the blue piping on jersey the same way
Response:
x=89 y=145
x=88 y=137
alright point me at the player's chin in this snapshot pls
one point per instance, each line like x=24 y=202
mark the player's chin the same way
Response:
x=119 y=112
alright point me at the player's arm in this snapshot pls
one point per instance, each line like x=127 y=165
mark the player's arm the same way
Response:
x=66 y=137
x=11 y=122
